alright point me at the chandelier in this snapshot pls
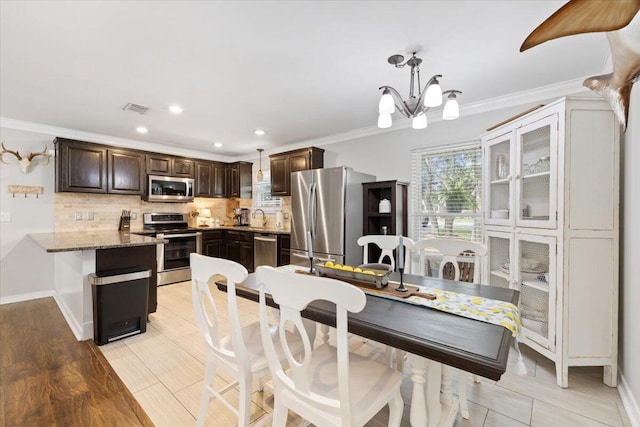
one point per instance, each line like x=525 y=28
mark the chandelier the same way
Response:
x=416 y=106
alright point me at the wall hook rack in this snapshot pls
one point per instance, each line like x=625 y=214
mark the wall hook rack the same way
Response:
x=25 y=189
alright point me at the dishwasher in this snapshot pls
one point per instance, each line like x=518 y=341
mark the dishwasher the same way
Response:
x=265 y=250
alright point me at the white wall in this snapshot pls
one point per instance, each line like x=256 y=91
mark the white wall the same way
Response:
x=630 y=256
x=25 y=269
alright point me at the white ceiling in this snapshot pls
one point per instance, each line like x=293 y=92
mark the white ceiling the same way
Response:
x=299 y=70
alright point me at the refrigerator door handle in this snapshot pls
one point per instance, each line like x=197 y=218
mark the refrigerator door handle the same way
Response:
x=313 y=210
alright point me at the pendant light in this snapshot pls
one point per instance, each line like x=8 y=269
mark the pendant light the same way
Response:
x=259 y=175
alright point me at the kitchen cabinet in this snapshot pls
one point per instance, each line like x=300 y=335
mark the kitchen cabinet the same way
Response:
x=163 y=164
x=283 y=164
x=284 y=249
x=210 y=179
x=82 y=167
x=213 y=243
x=239 y=180
x=126 y=172
x=551 y=197
x=239 y=247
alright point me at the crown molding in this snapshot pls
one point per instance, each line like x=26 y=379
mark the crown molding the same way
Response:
x=543 y=93
x=556 y=90
x=97 y=138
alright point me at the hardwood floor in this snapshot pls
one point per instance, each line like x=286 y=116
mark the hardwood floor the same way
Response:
x=49 y=378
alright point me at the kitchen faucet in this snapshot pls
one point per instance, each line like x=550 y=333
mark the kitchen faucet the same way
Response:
x=264 y=219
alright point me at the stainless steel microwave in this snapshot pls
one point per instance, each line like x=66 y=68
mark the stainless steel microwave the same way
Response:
x=169 y=189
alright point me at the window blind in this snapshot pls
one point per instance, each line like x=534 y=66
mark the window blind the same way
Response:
x=446 y=190
x=262 y=195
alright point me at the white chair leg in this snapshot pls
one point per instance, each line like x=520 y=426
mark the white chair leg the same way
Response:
x=209 y=379
x=396 y=406
x=476 y=379
x=261 y=382
x=244 y=402
x=462 y=394
x=388 y=356
x=400 y=360
x=279 y=415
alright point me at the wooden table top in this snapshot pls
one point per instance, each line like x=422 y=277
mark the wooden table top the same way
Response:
x=474 y=346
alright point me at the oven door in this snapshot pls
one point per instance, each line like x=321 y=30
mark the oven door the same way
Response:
x=173 y=256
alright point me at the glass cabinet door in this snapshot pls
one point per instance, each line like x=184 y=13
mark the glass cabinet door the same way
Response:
x=536 y=174
x=498 y=158
x=534 y=269
x=497 y=272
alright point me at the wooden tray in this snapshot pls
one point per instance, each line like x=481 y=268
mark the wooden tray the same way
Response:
x=371 y=287
x=379 y=279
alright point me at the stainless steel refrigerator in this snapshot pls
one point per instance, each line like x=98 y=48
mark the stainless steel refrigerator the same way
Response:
x=326 y=205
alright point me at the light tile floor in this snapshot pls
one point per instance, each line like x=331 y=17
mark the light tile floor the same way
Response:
x=164 y=368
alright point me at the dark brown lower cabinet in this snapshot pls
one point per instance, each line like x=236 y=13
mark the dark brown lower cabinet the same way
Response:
x=239 y=247
x=284 y=253
x=213 y=243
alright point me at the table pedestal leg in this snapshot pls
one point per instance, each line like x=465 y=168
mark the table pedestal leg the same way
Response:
x=425 y=408
x=324 y=334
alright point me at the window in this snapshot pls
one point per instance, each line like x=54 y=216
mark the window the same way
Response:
x=446 y=193
x=262 y=195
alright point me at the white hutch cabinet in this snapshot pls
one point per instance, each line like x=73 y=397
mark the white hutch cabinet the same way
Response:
x=551 y=194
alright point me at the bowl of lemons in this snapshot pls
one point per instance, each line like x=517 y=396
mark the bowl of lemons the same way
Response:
x=377 y=274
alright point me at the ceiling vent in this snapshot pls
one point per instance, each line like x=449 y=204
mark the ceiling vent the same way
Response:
x=136 y=108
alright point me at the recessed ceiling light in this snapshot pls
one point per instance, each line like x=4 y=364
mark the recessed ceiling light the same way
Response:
x=217 y=144
x=175 y=109
x=259 y=132
x=142 y=129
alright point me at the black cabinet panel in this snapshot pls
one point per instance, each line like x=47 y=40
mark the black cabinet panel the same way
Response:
x=137 y=256
x=220 y=171
x=204 y=179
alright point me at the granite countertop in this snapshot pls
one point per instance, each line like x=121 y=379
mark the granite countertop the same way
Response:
x=72 y=241
x=244 y=228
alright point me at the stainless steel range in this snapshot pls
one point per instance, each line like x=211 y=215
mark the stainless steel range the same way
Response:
x=173 y=257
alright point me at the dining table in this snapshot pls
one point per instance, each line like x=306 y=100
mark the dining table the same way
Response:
x=431 y=338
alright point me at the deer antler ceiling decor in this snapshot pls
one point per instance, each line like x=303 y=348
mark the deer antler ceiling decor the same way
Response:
x=621 y=20
x=22 y=162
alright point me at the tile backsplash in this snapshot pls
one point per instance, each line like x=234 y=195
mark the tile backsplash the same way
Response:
x=106 y=210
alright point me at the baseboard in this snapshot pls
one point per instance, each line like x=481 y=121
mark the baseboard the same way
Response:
x=75 y=327
x=26 y=297
x=629 y=401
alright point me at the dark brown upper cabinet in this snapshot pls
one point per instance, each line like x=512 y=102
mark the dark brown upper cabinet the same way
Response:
x=239 y=180
x=283 y=164
x=80 y=167
x=220 y=177
x=126 y=172
x=211 y=179
x=163 y=164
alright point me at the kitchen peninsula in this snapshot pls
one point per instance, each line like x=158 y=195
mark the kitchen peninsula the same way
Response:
x=79 y=254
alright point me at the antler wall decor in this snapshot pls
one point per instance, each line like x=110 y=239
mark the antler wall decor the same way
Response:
x=24 y=163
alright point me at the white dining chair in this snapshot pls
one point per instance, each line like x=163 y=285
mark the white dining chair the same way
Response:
x=240 y=354
x=387 y=245
x=458 y=260
x=327 y=386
